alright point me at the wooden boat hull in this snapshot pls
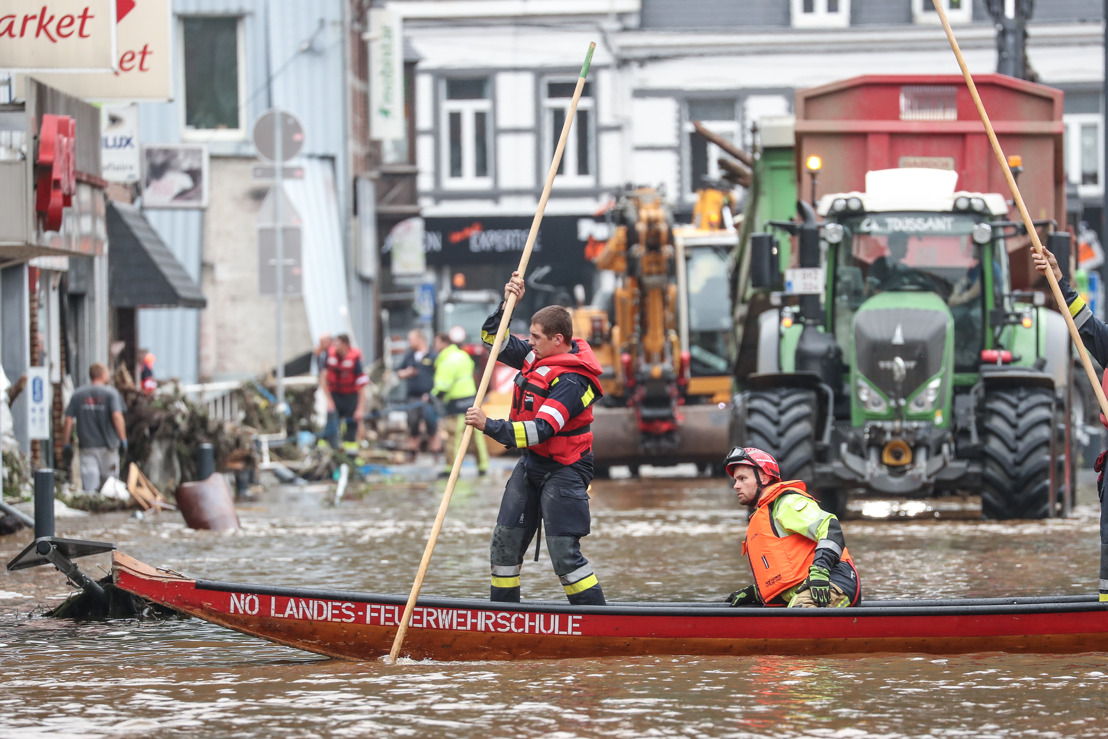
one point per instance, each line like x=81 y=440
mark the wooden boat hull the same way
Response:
x=362 y=625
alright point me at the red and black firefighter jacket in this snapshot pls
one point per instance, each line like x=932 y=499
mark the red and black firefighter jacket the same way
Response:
x=552 y=400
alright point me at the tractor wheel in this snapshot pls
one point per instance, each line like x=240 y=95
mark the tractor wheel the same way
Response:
x=1019 y=423
x=782 y=422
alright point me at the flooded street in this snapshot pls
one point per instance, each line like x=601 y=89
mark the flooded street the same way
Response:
x=653 y=539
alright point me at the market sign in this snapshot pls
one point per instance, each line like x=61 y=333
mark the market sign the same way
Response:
x=58 y=35
x=142 y=63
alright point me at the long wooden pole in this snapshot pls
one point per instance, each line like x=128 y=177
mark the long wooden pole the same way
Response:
x=486 y=377
x=1062 y=307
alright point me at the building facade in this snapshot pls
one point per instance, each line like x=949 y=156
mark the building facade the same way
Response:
x=493 y=79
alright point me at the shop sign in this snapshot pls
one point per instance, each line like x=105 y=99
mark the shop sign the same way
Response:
x=143 y=62
x=55 y=169
x=386 y=64
x=38 y=403
x=498 y=241
x=119 y=148
x=174 y=176
x=58 y=35
x=405 y=243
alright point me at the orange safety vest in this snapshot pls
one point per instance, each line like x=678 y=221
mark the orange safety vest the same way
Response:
x=532 y=386
x=778 y=562
x=341 y=377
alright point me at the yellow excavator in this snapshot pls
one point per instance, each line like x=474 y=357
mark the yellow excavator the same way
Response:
x=660 y=327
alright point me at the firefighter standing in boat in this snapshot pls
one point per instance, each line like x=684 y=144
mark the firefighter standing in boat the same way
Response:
x=558 y=382
x=796 y=549
x=1094 y=335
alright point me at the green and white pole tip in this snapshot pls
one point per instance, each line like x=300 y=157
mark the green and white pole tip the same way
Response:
x=588 y=60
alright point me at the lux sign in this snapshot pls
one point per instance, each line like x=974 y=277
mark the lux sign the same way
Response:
x=55 y=169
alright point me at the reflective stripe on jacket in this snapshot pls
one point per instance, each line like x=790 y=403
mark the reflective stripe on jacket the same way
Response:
x=573 y=435
x=778 y=561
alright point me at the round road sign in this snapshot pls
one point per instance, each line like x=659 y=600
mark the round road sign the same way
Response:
x=278 y=125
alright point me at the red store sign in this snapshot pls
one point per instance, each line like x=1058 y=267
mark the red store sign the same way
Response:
x=55 y=169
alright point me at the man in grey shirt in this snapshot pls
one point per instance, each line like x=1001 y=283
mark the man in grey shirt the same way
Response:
x=97 y=409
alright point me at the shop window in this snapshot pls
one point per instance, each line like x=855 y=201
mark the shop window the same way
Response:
x=720 y=117
x=957 y=11
x=579 y=157
x=467 y=121
x=212 y=68
x=820 y=13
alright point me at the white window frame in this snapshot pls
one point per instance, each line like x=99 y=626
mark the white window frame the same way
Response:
x=1073 y=124
x=923 y=11
x=188 y=133
x=569 y=175
x=731 y=130
x=468 y=110
x=820 y=17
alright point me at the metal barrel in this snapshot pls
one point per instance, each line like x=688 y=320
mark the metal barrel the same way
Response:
x=44 y=503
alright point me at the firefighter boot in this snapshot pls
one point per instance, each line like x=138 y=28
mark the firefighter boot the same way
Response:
x=506 y=556
x=593 y=596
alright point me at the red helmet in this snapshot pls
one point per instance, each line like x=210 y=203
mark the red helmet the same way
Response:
x=756 y=458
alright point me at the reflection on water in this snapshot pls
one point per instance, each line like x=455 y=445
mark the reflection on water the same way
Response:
x=652 y=540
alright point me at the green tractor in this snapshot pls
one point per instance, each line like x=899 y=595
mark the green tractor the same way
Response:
x=897 y=360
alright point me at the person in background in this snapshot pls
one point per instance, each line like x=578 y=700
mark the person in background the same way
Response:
x=417 y=369
x=149 y=384
x=796 y=549
x=97 y=411
x=343 y=384
x=1094 y=335
x=454 y=386
x=550 y=422
x=319 y=359
x=321 y=351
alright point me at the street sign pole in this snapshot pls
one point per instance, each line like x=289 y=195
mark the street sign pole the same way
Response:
x=278 y=152
x=279 y=244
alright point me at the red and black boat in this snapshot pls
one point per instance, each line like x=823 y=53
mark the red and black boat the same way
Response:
x=362 y=625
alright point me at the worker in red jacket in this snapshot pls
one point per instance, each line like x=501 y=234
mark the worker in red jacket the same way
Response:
x=149 y=384
x=551 y=423
x=343 y=384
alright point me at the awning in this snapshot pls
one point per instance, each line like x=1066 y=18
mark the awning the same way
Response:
x=143 y=271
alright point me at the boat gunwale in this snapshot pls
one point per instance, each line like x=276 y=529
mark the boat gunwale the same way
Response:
x=877 y=609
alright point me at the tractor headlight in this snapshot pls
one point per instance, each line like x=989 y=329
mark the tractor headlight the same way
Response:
x=982 y=233
x=832 y=233
x=854 y=203
x=961 y=203
x=924 y=402
x=838 y=205
x=870 y=399
x=978 y=204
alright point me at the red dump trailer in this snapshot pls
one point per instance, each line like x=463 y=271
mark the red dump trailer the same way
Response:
x=877 y=122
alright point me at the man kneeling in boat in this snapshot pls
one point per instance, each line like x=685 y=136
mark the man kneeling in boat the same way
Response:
x=796 y=549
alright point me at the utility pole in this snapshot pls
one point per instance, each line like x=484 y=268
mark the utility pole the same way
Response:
x=1011 y=17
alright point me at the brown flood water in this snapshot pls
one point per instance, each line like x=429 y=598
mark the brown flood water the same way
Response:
x=655 y=539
